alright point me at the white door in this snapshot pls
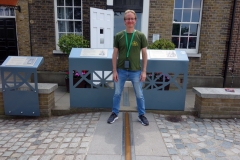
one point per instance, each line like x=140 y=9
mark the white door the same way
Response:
x=101 y=28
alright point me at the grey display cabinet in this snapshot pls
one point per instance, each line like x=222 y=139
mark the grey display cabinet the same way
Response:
x=19 y=96
x=164 y=88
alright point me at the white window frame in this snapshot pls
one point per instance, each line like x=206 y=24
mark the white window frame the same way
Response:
x=8 y=16
x=56 y=24
x=191 y=52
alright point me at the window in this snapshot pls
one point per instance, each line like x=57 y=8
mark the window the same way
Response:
x=7 y=12
x=68 y=15
x=186 y=24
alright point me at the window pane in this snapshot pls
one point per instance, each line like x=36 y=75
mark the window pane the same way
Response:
x=193 y=29
x=11 y=12
x=60 y=13
x=177 y=15
x=1 y=12
x=184 y=29
x=68 y=2
x=183 y=42
x=69 y=13
x=175 y=40
x=186 y=15
x=60 y=2
x=195 y=15
x=78 y=26
x=78 y=33
x=61 y=34
x=61 y=26
x=178 y=3
x=77 y=3
x=187 y=3
x=69 y=26
x=192 y=42
x=77 y=13
x=196 y=3
x=176 y=29
x=6 y=11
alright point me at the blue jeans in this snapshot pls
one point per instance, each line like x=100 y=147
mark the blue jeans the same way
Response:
x=134 y=77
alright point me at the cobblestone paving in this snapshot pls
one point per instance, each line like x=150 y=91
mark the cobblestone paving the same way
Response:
x=200 y=139
x=56 y=138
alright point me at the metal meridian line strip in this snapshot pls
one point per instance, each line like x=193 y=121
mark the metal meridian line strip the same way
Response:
x=132 y=138
x=127 y=138
x=123 y=137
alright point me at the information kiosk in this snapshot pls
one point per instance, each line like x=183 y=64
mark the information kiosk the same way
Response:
x=19 y=96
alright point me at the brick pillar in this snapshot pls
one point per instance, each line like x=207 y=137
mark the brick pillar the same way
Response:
x=46 y=103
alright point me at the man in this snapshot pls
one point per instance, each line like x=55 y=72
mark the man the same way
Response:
x=126 y=65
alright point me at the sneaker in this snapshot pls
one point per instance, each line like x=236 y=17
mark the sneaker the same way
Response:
x=143 y=120
x=112 y=118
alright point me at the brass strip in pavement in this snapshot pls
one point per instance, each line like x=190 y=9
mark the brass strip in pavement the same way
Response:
x=127 y=138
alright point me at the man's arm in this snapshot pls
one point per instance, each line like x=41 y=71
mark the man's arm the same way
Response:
x=144 y=64
x=114 y=64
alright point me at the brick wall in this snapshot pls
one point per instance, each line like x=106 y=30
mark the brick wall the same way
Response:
x=214 y=33
x=215 y=27
x=42 y=23
x=22 y=26
x=234 y=57
x=213 y=38
x=217 y=108
x=160 y=18
x=46 y=104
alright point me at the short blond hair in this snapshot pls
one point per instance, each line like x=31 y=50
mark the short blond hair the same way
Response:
x=130 y=11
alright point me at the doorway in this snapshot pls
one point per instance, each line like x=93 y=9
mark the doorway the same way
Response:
x=8 y=38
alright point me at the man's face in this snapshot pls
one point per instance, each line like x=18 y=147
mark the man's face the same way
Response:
x=130 y=20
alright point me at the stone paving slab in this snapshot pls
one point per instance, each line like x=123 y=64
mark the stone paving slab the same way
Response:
x=147 y=139
x=107 y=137
x=152 y=158
x=104 y=157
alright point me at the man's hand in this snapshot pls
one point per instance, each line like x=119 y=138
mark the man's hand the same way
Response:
x=143 y=76
x=115 y=76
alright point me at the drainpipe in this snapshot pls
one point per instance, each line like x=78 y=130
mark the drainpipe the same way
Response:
x=30 y=36
x=229 y=43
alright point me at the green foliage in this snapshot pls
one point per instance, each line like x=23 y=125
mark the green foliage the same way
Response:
x=69 y=41
x=162 y=44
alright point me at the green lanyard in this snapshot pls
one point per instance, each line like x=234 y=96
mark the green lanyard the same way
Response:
x=128 y=47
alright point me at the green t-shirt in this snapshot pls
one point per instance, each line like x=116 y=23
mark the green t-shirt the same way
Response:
x=139 y=42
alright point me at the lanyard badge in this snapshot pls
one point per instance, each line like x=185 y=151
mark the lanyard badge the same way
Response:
x=127 y=63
